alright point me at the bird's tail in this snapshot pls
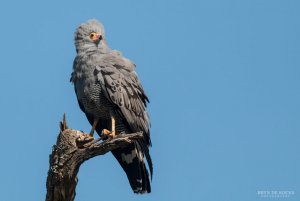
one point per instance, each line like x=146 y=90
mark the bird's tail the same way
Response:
x=131 y=158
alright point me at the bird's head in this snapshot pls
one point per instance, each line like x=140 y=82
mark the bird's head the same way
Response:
x=89 y=35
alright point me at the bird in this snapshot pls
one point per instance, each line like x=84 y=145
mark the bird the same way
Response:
x=110 y=94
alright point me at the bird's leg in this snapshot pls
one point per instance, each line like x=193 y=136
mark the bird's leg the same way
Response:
x=94 y=127
x=111 y=133
x=85 y=137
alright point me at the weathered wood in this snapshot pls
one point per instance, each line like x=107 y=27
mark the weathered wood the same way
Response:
x=73 y=148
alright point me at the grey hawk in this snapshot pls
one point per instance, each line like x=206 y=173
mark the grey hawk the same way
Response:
x=110 y=94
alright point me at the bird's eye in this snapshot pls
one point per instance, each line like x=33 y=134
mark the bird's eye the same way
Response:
x=92 y=35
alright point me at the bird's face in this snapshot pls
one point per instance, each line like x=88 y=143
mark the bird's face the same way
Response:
x=89 y=35
x=95 y=37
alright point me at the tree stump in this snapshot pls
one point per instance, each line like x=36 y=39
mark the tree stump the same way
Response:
x=73 y=148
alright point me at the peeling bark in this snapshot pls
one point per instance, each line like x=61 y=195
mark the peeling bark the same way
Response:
x=73 y=148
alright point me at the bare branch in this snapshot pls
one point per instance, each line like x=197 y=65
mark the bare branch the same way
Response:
x=73 y=148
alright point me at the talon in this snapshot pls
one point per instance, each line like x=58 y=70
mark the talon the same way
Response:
x=105 y=132
x=85 y=138
x=110 y=134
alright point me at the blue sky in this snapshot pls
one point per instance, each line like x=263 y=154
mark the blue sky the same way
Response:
x=222 y=77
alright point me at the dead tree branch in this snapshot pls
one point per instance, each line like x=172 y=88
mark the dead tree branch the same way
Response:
x=73 y=148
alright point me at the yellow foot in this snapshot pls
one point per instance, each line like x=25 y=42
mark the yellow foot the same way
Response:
x=85 y=138
x=109 y=134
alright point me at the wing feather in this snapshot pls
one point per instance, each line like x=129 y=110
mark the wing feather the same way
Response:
x=123 y=88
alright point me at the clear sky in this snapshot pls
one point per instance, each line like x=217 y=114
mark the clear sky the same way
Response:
x=223 y=81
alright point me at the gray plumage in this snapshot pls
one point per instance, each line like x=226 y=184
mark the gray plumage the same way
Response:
x=106 y=85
